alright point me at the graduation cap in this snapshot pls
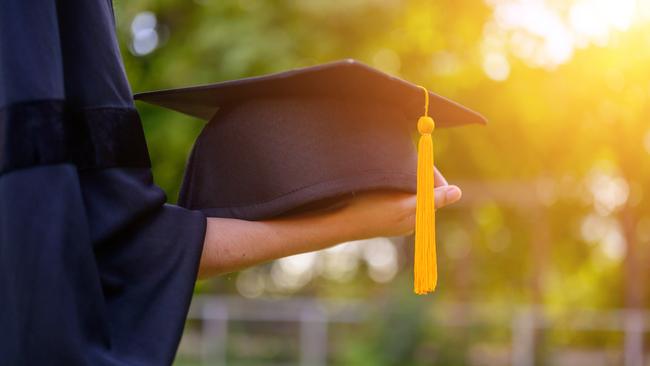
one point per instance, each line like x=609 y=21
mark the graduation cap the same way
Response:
x=303 y=139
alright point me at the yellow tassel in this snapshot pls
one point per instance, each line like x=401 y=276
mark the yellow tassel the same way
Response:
x=425 y=267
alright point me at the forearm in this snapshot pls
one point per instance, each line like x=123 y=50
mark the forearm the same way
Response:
x=231 y=245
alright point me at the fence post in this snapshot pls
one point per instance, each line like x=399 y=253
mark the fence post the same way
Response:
x=634 y=327
x=313 y=336
x=214 y=335
x=523 y=338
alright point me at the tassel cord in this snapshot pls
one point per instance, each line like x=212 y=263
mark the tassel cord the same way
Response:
x=425 y=264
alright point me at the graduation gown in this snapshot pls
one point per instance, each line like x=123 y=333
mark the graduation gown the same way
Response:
x=95 y=268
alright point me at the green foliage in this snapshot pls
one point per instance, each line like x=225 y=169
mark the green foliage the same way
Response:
x=553 y=132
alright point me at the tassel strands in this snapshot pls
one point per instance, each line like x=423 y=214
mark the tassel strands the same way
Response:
x=425 y=269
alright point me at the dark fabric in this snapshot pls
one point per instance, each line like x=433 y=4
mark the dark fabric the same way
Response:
x=46 y=132
x=95 y=268
x=55 y=50
x=266 y=157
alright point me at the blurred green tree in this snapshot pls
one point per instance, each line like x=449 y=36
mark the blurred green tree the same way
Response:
x=556 y=207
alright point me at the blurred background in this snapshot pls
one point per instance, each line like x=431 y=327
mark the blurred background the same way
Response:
x=544 y=262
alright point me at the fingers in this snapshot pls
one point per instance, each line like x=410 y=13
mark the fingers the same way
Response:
x=446 y=195
x=439 y=179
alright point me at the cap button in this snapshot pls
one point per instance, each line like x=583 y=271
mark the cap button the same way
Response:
x=426 y=125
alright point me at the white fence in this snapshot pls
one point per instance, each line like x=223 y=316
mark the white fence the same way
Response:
x=313 y=318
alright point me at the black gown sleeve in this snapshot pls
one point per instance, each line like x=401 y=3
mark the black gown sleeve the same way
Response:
x=95 y=268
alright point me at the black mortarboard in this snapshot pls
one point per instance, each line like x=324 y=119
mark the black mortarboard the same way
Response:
x=301 y=139
x=277 y=142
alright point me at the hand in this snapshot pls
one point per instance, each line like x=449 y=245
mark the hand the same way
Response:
x=388 y=213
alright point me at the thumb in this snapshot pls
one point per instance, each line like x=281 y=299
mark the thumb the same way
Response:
x=446 y=195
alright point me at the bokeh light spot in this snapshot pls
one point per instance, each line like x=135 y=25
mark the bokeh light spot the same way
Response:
x=496 y=66
x=144 y=34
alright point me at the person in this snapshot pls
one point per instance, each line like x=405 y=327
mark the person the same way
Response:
x=95 y=268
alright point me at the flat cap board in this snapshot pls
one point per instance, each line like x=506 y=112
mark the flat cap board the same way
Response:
x=343 y=79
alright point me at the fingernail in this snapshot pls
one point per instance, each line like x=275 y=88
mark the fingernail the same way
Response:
x=452 y=194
